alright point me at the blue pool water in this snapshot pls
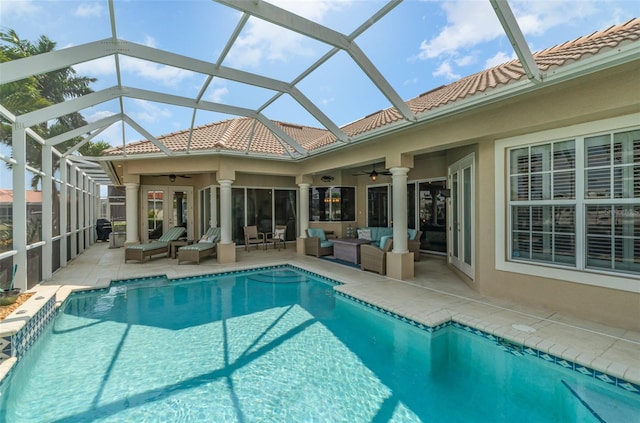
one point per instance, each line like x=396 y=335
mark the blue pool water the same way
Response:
x=277 y=345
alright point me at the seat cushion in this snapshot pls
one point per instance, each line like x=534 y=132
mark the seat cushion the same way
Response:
x=172 y=234
x=199 y=246
x=383 y=240
x=148 y=247
x=412 y=234
x=325 y=244
x=317 y=232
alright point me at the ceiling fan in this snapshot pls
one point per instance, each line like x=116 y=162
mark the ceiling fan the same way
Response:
x=173 y=176
x=373 y=174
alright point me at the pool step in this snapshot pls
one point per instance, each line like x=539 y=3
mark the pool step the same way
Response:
x=604 y=407
x=278 y=276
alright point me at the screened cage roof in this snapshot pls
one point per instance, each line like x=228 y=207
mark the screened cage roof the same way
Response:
x=217 y=73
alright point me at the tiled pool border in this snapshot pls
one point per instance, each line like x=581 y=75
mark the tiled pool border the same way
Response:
x=17 y=344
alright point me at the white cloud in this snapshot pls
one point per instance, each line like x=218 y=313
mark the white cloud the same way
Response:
x=445 y=69
x=468 y=24
x=100 y=114
x=217 y=95
x=467 y=60
x=410 y=81
x=498 y=59
x=18 y=9
x=262 y=41
x=166 y=75
x=149 y=41
x=88 y=9
x=326 y=101
x=149 y=112
x=98 y=67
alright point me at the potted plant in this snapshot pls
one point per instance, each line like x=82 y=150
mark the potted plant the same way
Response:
x=10 y=295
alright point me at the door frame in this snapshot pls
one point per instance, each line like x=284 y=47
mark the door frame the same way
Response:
x=167 y=208
x=465 y=212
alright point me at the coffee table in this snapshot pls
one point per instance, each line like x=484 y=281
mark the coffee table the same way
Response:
x=348 y=249
x=174 y=245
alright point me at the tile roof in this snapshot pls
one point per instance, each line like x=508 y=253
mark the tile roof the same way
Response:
x=249 y=135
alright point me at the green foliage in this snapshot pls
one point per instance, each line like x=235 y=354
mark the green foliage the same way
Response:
x=39 y=91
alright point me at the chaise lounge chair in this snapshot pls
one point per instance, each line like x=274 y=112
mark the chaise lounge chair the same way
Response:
x=204 y=248
x=161 y=246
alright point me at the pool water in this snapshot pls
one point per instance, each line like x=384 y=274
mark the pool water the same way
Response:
x=275 y=345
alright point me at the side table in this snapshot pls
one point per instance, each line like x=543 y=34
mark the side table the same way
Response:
x=174 y=245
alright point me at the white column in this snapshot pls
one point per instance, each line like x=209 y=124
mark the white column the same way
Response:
x=47 y=212
x=225 y=211
x=82 y=204
x=73 y=212
x=304 y=209
x=64 y=212
x=19 y=152
x=213 y=221
x=132 y=207
x=400 y=235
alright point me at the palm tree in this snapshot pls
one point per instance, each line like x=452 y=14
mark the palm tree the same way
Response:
x=40 y=91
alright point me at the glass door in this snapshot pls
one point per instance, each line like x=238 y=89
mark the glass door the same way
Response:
x=461 y=230
x=433 y=215
x=164 y=208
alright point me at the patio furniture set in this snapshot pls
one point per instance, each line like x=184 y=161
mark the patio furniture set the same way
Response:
x=368 y=250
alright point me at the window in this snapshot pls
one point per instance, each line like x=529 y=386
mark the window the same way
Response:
x=332 y=204
x=590 y=222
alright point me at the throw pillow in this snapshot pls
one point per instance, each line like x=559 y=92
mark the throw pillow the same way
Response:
x=364 y=234
x=279 y=234
x=206 y=238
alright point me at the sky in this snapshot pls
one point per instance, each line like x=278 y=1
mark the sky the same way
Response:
x=417 y=46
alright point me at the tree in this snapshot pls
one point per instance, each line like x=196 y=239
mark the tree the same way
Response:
x=38 y=91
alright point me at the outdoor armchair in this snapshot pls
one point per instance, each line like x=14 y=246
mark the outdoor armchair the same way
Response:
x=374 y=258
x=316 y=243
x=253 y=237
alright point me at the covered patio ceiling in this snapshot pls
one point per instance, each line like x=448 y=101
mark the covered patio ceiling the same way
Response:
x=115 y=48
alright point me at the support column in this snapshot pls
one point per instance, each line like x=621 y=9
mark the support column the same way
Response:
x=304 y=216
x=47 y=212
x=19 y=152
x=400 y=260
x=64 y=212
x=132 y=209
x=226 y=249
x=82 y=202
x=73 y=211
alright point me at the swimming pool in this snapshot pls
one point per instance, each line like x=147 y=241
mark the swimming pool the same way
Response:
x=277 y=345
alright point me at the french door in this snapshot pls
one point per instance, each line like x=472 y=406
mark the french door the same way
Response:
x=165 y=207
x=461 y=227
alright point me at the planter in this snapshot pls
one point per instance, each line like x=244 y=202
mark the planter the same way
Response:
x=9 y=296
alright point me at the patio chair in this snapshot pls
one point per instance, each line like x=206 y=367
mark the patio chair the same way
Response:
x=374 y=258
x=204 y=248
x=161 y=246
x=316 y=243
x=277 y=238
x=253 y=237
x=414 y=245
